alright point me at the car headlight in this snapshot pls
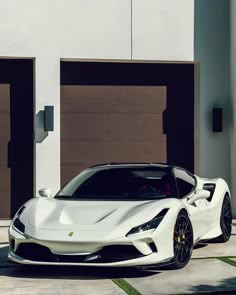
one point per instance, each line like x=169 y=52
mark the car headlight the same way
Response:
x=17 y=224
x=152 y=224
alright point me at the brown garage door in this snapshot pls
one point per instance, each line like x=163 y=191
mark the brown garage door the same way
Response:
x=111 y=124
x=5 y=172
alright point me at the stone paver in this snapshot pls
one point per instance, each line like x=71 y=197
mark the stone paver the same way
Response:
x=5 y=222
x=3 y=235
x=234 y=229
x=216 y=249
x=53 y=281
x=209 y=275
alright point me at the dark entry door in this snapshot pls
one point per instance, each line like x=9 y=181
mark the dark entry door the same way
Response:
x=5 y=136
x=16 y=134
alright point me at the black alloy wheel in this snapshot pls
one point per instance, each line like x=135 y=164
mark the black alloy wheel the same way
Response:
x=226 y=220
x=183 y=241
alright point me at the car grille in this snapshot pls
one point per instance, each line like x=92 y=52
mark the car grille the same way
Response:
x=107 y=254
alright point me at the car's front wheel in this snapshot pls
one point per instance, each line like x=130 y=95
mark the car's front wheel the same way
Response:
x=183 y=241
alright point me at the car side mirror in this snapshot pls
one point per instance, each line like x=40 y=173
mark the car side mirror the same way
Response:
x=198 y=195
x=45 y=192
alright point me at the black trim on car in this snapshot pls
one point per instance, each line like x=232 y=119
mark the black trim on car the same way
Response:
x=176 y=185
x=108 y=254
x=211 y=188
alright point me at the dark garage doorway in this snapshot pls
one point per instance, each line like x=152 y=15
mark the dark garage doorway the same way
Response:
x=177 y=119
x=16 y=134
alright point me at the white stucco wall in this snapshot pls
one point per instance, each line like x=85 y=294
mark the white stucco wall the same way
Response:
x=232 y=104
x=163 y=30
x=212 y=49
x=91 y=29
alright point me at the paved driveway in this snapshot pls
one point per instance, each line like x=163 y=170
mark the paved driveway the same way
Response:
x=212 y=269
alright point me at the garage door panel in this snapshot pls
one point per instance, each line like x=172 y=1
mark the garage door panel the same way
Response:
x=4 y=98
x=5 y=201
x=116 y=151
x=4 y=126
x=3 y=153
x=5 y=178
x=113 y=99
x=69 y=171
x=81 y=155
x=103 y=124
x=72 y=167
x=112 y=127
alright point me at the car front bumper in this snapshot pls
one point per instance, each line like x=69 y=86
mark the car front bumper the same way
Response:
x=139 y=250
x=92 y=248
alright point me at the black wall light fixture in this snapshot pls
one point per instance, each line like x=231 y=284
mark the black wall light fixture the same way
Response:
x=217 y=120
x=49 y=118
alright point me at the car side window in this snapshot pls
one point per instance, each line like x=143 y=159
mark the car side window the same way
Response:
x=185 y=182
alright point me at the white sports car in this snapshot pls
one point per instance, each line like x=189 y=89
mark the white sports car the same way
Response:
x=140 y=215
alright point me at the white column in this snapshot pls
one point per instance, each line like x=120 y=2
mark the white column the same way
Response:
x=232 y=113
x=47 y=144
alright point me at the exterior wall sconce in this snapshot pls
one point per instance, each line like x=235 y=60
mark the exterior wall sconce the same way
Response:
x=217 y=120
x=49 y=118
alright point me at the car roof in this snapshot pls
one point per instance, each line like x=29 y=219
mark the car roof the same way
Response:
x=114 y=164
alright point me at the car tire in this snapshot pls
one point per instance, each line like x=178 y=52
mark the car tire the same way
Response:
x=182 y=241
x=225 y=220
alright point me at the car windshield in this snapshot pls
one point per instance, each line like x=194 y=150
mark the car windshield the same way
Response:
x=119 y=183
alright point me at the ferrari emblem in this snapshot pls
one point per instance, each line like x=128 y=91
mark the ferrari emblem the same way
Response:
x=71 y=234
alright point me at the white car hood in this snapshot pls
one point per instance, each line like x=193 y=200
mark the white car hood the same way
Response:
x=92 y=215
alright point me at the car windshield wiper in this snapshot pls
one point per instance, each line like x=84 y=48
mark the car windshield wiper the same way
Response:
x=83 y=196
x=124 y=196
x=92 y=196
x=62 y=197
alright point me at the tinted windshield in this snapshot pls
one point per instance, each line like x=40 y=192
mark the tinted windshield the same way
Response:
x=119 y=183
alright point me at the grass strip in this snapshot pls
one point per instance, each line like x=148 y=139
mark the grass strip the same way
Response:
x=212 y=257
x=125 y=286
x=227 y=260
x=234 y=224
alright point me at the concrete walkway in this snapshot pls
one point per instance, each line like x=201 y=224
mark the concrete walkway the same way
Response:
x=211 y=269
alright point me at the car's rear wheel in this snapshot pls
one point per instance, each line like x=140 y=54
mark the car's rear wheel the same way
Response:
x=225 y=220
x=183 y=241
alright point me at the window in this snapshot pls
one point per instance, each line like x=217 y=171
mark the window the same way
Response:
x=185 y=182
